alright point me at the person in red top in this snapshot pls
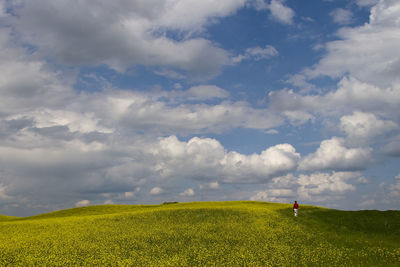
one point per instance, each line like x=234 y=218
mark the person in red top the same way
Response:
x=295 y=208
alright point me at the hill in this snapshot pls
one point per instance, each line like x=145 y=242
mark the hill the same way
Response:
x=202 y=233
x=7 y=218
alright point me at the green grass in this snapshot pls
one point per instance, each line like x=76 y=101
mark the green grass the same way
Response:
x=202 y=234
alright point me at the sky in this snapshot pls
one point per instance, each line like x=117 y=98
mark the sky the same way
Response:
x=147 y=101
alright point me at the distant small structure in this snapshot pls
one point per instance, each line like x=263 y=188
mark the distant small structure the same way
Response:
x=170 y=202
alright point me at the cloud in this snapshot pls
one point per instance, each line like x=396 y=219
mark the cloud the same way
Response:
x=82 y=203
x=366 y=3
x=366 y=52
x=314 y=188
x=135 y=111
x=280 y=12
x=320 y=184
x=135 y=33
x=156 y=191
x=332 y=154
x=28 y=82
x=351 y=95
x=273 y=161
x=392 y=148
x=342 y=16
x=204 y=92
x=3 y=193
x=206 y=159
x=297 y=118
x=3 y=12
x=187 y=193
x=363 y=128
x=394 y=189
x=212 y=185
x=256 y=53
x=129 y=195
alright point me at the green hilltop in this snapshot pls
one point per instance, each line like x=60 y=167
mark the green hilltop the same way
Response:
x=233 y=233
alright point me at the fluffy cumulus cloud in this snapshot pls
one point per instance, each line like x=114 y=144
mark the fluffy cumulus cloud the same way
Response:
x=187 y=193
x=314 y=188
x=333 y=154
x=206 y=159
x=156 y=191
x=277 y=8
x=280 y=12
x=82 y=203
x=361 y=127
x=369 y=52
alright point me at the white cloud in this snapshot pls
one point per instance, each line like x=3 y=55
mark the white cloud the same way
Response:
x=298 y=117
x=369 y=52
x=129 y=195
x=273 y=161
x=82 y=203
x=214 y=185
x=342 y=16
x=272 y=131
x=351 y=95
x=361 y=127
x=206 y=159
x=280 y=12
x=138 y=111
x=319 y=184
x=313 y=188
x=75 y=122
x=256 y=53
x=156 y=191
x=332 y=154
x=187 y=193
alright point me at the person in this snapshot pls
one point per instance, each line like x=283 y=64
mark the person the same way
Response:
x=295 y=208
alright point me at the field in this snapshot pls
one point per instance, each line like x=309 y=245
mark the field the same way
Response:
x=202 y=234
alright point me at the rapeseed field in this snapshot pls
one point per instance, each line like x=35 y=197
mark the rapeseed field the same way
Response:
x=240 y=233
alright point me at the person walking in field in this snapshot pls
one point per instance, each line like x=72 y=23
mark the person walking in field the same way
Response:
x=295 y=208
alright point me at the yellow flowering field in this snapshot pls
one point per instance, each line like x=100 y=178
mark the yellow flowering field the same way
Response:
x=239 y=233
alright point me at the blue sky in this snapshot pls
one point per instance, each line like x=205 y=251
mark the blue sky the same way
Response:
x=139 y=102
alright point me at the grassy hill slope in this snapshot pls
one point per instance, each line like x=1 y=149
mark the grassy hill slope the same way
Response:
x=202 y=233
x=7 y=218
